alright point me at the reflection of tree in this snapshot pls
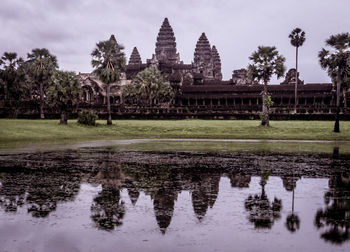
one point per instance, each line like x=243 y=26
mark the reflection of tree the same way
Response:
x=261 y=212
x=335 y=217
x=292 y=221
x=107 y=209
x=39 y=190
x=205 y=190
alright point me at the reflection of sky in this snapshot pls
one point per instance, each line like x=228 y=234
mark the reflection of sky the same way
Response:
x=224 y=226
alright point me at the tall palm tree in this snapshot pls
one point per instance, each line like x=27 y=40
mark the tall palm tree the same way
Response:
x=42 y=66
x=297 y=39
x=108 y=61
x=266 y=61
x=336 y=60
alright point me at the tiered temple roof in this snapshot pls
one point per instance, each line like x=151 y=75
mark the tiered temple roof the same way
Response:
x=166 y=44
x=216 y=63
x=202 y=53
x=135 y=58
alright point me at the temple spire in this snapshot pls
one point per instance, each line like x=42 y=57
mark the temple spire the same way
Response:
x=113 y=38
x=166 y=44
x=135 y=58
x=203 y=57
x=216 y=63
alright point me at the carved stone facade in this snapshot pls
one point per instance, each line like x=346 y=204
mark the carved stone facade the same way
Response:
x=94 y=91
x=199 y=84
x=290 y=78
x=240 y=77
x=135 y=58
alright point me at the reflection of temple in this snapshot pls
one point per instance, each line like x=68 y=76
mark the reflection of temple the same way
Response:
x=239 y=180
x=289 y=182
x=163 y=203
x=199 y=86
x=56 y=178
x=39 y=191
x=204 y=190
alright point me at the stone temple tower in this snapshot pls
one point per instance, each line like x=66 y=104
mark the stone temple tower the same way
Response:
x=206 y=59
x=135 y=58
x=166 y=45
x=216 y=63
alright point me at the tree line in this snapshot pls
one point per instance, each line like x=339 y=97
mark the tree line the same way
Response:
x=38 y=76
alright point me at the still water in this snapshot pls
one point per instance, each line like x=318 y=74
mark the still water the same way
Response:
x=109 y=200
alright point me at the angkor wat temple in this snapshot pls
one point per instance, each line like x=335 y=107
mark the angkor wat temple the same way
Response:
x=200 y=90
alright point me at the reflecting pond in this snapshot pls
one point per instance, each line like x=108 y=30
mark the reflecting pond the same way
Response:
x=104 y=199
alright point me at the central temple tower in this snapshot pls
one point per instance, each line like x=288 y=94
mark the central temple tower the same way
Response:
x=166 y=45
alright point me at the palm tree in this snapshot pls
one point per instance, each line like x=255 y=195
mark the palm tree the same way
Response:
x=42 y=66
x=336 y=61
x=297 y=39
x=266 y=61
x=108 y=61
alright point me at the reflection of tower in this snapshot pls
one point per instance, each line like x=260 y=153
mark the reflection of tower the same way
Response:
x=163 y=204
x=132 y=191
x=204 y=193
x=239 y=180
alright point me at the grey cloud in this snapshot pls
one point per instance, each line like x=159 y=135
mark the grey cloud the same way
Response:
x=71 y=28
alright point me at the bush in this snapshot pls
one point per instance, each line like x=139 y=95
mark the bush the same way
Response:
x=87 y=117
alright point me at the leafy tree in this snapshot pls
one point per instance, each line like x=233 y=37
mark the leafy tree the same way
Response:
x=262 y=212
x=336 y=60
x=13 y=80
x=42 y=66
x=108 y=61
x=266 y=61
x=64 y=93
x=297 y=39
x=333 y=220
x=148 y=87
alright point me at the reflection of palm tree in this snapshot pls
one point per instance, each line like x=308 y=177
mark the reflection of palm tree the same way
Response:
x=336 y=215
x=292 y=221
x=261 y=212
x=107 y=210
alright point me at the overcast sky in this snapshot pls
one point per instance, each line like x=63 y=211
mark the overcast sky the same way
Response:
x=71 y=28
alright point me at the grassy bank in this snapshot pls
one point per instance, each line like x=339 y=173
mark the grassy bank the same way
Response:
x=16 y=132
x=328 y=148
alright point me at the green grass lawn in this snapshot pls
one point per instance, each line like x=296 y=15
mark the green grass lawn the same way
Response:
x=16 y=132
